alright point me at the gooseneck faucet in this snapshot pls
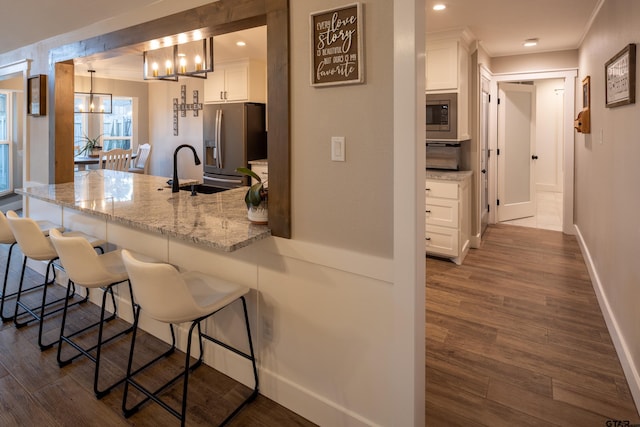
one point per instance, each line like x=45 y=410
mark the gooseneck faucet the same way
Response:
x=175 y=185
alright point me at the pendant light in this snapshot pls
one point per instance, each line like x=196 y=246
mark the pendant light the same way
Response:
x=92 y=102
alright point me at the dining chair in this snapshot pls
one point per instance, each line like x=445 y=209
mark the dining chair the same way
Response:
x=117 y=159
x=141 y=162
x=168 y=296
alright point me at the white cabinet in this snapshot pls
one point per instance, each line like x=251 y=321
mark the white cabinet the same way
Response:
x=447 y=70
x=448 y=217
x=442 y=65
x=238 y=81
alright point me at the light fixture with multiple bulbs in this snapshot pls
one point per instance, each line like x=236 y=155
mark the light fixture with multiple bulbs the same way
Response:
x=170 y=58
x=92 y=102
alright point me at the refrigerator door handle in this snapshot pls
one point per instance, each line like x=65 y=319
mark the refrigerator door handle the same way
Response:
x=218 y=139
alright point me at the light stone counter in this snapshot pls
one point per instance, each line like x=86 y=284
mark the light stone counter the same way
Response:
x=145 y=202
x=448 y=175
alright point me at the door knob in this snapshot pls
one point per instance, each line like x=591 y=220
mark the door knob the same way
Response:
x=534 y=157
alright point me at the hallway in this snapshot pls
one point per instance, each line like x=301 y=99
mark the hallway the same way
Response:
x=515 y=337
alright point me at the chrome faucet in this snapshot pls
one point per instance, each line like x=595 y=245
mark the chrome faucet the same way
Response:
x=175 y=185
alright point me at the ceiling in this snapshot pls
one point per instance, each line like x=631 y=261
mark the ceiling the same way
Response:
x=500 y=25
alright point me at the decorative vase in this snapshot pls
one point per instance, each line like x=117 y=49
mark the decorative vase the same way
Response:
x=258 y=214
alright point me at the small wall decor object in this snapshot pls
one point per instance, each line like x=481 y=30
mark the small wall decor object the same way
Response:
x=182 y=107
x=620 y=76
x=37 y=95
x=583 y=122
x=336 y=46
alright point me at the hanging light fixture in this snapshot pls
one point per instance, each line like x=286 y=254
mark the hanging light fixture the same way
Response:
x=167 y=60
x=92 y=102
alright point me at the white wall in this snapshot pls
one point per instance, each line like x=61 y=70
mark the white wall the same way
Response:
x=607 y=200
x=163 y=141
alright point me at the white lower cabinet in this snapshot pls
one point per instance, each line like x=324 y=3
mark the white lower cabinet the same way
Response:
x=448 y=217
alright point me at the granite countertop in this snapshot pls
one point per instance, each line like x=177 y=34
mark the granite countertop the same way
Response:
x=448 y=175
x=145 y=202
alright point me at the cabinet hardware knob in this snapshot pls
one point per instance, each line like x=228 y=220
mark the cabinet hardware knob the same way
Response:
x=427 y=238
x=221 y=95
x=534 y=157
x=483 y=171
x=427 y=211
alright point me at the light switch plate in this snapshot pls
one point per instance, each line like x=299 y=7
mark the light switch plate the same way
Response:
x=337 y=148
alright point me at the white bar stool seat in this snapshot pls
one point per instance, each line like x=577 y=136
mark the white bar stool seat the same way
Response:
x=36 y=246
x=7 y=238
x=168 y=296
x=87 y=268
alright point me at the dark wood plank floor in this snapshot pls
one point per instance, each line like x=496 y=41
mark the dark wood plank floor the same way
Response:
x=34 y=391
x=515 y=337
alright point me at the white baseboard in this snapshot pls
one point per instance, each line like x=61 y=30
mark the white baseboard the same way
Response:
x=619 y=342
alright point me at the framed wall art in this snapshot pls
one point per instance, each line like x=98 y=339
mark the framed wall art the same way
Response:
x=336 y=46
x=620 y=76
x=37 y=95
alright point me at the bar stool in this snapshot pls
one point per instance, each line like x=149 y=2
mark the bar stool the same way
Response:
x=85 y=267
x=171 y=297
x=7 y=238
x=36 y=246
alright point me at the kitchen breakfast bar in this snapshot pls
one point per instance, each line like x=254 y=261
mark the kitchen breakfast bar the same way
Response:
x=202 y=232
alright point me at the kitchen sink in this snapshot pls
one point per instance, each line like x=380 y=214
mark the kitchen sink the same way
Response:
x=203 y=189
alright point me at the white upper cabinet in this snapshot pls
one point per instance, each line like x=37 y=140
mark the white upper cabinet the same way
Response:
x=238 y=81
x=442 y=68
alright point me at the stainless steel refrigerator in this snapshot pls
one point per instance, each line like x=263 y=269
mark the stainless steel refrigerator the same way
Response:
x=234 y=134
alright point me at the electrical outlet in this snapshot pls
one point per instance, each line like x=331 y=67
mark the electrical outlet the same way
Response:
x=337 y=148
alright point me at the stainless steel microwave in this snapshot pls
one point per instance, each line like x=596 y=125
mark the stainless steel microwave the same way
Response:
x=442 y=116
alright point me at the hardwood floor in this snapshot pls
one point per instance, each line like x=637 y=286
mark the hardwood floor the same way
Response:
x=35 y=391
x=515 y=337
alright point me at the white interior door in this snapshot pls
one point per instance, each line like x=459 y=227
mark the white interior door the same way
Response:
x=484 y=155
x=516 y=151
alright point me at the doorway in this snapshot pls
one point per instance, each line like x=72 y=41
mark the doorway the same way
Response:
x=541 y=173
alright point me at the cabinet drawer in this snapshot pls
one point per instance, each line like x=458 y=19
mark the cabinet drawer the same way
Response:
x=446 y=190
x=441 y=241
x=442 y=212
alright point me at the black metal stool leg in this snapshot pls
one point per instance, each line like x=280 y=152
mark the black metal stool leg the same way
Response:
x=4 y=285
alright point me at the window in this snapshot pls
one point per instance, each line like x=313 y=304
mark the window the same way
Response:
x=116 y=128
x=6 y=179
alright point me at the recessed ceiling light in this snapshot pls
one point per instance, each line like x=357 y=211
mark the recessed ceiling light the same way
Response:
x=241 y=43
x=439 y=7
x=530 y=42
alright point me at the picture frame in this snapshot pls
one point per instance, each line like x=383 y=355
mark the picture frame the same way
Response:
x=337 y=46
x=37 y=95
x=620 y=78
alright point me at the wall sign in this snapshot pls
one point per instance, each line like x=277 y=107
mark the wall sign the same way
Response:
x=620 y=75
x=37 y=95
x=336 y=46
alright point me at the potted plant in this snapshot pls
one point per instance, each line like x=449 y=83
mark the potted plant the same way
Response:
x=91 y=147
x=256 y=198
